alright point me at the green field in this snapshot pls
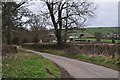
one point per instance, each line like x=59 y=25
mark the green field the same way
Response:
x=103 y=30
x=29 y=65
x=91 y=31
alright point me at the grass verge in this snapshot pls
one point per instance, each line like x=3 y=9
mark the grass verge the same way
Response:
x=28 y=65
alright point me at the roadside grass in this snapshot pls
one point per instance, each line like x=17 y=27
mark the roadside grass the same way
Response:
x=98 y=59
x=28 y=65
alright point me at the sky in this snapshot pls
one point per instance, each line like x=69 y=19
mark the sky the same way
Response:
x=106 y=14
x=119 y=14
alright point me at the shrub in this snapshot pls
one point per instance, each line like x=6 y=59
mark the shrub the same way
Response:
x=24 y=40
x=7 y=50
x=98 y=36
x=100 y=49
x=73 y=49
x=89 y=49
x=16 y=40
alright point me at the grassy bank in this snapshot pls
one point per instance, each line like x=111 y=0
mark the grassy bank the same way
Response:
x=107 y=61
x=29 y=65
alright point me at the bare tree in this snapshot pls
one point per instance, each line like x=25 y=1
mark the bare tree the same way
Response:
x=65 y=15
x=12 y=13
x=37 y=27
x=98 y=36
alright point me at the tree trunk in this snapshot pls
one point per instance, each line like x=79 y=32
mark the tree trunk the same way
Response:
x=8 y=37
x=65 y=36
x=59 y=38
x=66 y=27
x=36 y=39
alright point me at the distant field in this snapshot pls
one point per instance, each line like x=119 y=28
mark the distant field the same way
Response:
x=89 y=32
x=103 y=30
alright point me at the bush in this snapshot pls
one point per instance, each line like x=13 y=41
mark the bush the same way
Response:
x=7 y=50
x=72 y=50
x=94 y=49
x=98 y=36
x=16 y=40
x=100 y=49
x=40 y=46
x=24 y=40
